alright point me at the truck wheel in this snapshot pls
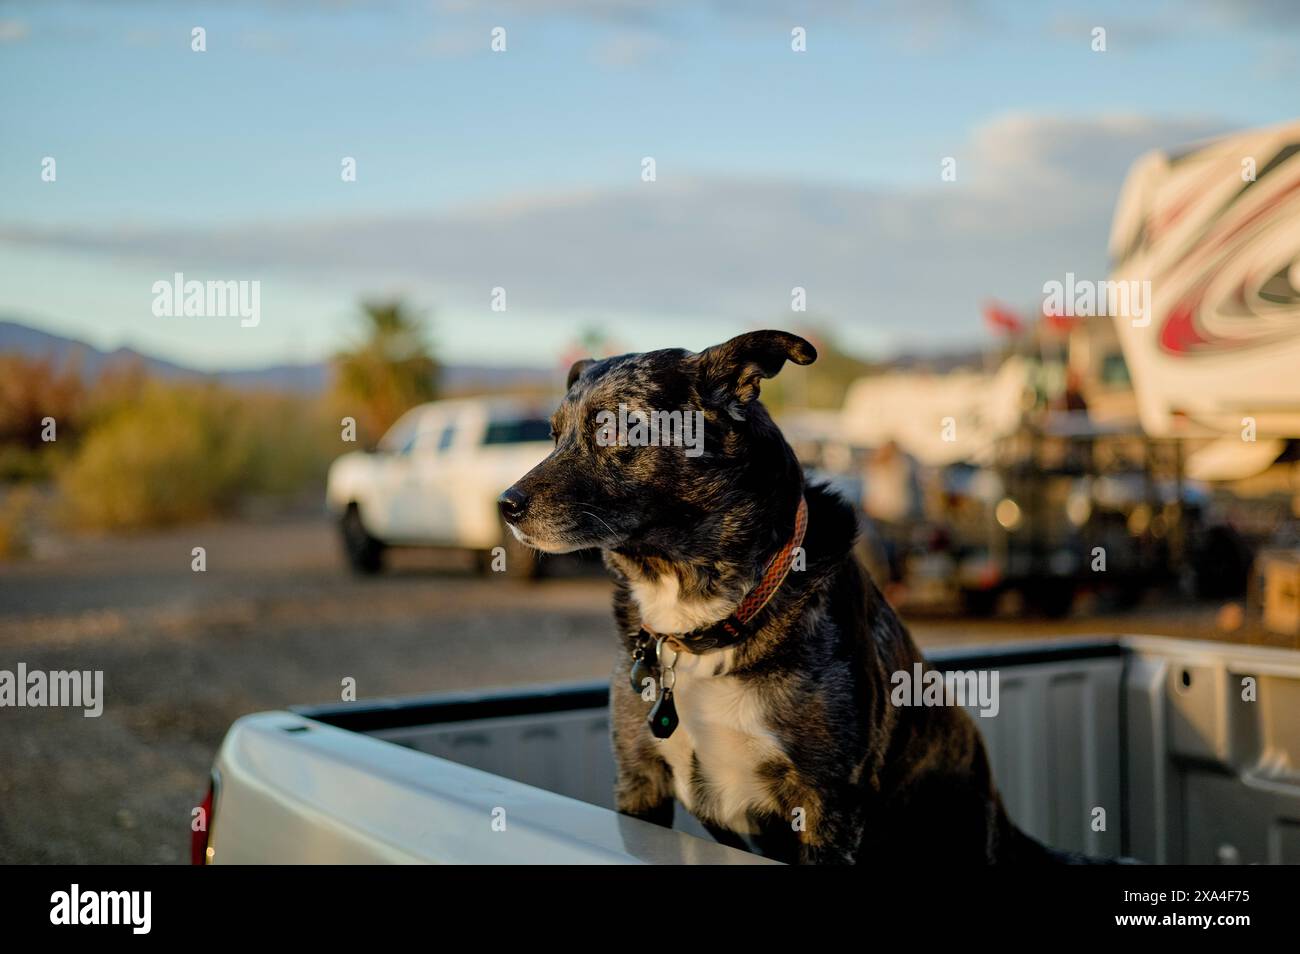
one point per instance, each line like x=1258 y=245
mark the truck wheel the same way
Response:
x=1221 y=564
x=979 y=603
x=1051 y=598
x=364 y=553
x=1127 y=596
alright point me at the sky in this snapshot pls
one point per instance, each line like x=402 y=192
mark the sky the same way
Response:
x=523 y=169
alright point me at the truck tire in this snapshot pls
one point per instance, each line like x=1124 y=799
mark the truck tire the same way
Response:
x=1221 y=564
x=1050 y=598
x=365 y=554
x=980 y=604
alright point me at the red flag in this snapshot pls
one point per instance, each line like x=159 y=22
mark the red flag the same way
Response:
x=1001 y=319
x=1061 y=324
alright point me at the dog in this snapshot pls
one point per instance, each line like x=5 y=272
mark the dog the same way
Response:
x=772 y=724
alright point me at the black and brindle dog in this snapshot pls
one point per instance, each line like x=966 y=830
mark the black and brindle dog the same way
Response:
x=784 y=736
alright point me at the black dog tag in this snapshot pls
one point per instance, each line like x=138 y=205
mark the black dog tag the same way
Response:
x=641 y=671
x=663 y=717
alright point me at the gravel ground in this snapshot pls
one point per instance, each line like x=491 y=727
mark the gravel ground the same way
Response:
x=276 y=620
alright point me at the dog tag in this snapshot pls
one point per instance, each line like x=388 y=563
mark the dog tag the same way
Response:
x=663 y=717
x=641 y=671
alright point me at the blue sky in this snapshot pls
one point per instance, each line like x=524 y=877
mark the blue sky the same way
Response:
x=522 y=169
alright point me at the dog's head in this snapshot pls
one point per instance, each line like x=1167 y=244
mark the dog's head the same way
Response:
x=653 y=449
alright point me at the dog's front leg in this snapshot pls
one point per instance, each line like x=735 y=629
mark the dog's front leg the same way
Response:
x=634 y=796
x=834 y=840
x=828 y=820
x=829 y=853
x=644 y=784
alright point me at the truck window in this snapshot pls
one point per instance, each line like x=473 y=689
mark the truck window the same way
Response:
x=520 y=431
x=432 y=440
x=415 y=433
x=401 y=436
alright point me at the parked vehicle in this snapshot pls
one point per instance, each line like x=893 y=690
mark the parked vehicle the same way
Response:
x=1062 y=506
x=1211 y=235
x=1168 y=751
x=1080 y=507
x=434 y=480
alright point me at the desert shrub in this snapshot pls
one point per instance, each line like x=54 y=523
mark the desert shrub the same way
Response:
x=17 y=505
x=32 y=390
x=169 y=457
x=184 y=452
x=290 y=442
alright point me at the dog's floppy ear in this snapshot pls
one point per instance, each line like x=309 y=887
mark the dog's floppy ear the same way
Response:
x=733 y=369
x=575 y=372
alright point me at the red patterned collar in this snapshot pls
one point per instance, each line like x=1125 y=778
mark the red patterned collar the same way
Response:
x=734 y=628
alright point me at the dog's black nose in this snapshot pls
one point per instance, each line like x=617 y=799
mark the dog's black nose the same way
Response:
x=513 y=505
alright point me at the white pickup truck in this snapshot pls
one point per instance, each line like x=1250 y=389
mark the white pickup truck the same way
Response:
x=434 y=481
x=1166 y=751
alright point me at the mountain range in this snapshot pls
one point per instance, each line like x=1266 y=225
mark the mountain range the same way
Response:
x=18 y=338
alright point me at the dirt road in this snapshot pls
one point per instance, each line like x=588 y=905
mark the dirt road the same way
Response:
x=275 y=620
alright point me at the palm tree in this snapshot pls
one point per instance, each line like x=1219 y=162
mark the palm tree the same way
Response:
x=389 y=371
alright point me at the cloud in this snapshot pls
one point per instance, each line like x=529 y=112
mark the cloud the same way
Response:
x=456 y=43
x=1145 y=27
x=922 y=16
x=630 y=48
x=625 y=12
x=12 y=31
x=1266 y=14
x=1032 y=200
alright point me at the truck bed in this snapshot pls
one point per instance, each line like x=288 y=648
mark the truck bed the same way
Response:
x=1155 y=732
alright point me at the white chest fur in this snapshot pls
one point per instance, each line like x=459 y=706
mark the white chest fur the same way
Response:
x=721 y=726
x=664 y=611
x=721 y=719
